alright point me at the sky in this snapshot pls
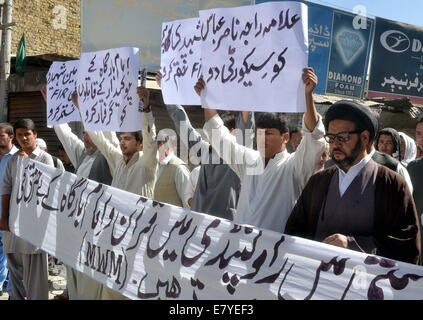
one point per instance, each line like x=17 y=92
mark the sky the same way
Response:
x=408 y=11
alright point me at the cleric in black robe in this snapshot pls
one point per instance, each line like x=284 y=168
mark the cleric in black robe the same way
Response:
x=357 y=204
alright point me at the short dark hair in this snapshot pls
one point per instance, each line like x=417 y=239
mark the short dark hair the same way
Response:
x=136 y=134
x=270 y=120
x=420 y=120
x=60 y=147
x=293 y=130
x=7 y=127
x=25 y=123
x=229 y=119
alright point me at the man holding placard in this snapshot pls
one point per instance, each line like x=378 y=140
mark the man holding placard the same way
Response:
x=132 y=170
x=217 y=190
x=91 y=164
x=271 y=178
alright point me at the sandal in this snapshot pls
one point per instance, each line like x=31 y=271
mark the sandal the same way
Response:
x=62 y=296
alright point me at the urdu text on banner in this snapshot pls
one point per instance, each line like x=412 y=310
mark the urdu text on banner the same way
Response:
x=339 y=49
x=150 y=250
x=61 y=84
x=107 y=90
x=180 y=61
x=252 y=57
x=397 y=61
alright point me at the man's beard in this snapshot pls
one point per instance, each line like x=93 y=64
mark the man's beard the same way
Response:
x=348 y=159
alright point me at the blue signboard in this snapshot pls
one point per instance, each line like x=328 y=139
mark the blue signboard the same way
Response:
x=350 y=49
x=319 y=39
x=397 y=61
x=338 y=52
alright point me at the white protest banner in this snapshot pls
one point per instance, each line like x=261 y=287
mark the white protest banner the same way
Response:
x=252 y=57
x=107 y=90
x=150 y=250
x=61 y=84
x=180 y=62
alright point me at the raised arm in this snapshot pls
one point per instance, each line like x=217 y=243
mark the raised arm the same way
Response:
x=237 y=156
x=107 y=146
x=73 y=146
x=112 y=153
x=111 y=136
x=181 y=121
x=149 y=133
x=312 y=144
x=311 y=117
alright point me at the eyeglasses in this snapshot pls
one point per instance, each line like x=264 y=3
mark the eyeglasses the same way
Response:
x=342 y=136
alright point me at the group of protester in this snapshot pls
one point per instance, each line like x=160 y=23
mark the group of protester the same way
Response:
x=363 y=201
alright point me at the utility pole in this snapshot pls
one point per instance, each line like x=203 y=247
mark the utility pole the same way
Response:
x=6 y=41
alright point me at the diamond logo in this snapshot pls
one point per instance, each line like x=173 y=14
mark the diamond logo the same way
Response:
x=350 y=44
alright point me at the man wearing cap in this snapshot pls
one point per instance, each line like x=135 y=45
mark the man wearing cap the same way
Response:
x=271 y=178
x=89 y=163
x=357 y=204
x=58 y=164
x=132 y=170
x=386 y=160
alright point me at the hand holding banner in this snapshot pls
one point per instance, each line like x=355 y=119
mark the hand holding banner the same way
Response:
x=250 y=57
x=61 y=84
x=106 y=86
x=253 y=57
x=180 y=61
x=146 y=249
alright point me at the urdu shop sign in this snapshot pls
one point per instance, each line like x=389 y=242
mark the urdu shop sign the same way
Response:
x=397 y=61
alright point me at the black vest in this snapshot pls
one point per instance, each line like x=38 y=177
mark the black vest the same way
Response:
x=353 y=213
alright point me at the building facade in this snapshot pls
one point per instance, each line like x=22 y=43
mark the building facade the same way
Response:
x=50 y=26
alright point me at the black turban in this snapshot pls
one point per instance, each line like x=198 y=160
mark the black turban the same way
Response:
x=349 y=110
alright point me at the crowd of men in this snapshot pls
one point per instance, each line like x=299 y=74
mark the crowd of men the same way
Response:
x=367 y=197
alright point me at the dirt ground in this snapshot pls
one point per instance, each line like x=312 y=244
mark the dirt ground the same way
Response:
x=56 y=282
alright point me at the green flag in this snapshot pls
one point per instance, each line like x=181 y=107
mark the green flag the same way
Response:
x=21 y=57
